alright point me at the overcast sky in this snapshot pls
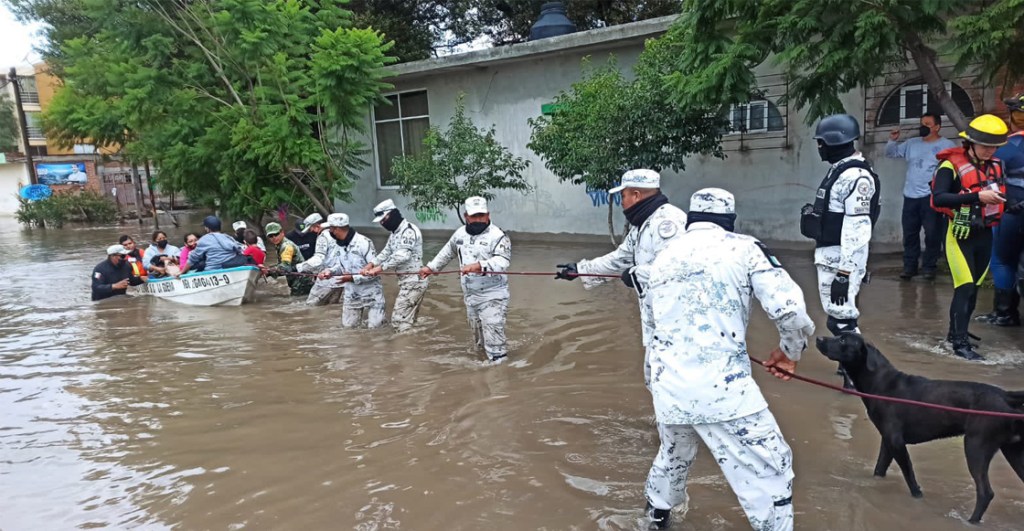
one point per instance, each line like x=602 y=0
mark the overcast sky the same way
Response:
x=18 y=40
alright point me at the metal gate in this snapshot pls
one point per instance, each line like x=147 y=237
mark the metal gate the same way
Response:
x=118 y=185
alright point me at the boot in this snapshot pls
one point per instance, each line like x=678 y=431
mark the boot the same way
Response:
x=1006 y=313
x=962 y=347
x=659 y=518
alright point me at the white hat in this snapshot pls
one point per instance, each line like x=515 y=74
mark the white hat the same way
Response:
x=311 y=220
x=382 y=210
x=239 y=225
x=713 y=201
x=638 y=179
x=476 y=205
x=336 y=220
x=116 y=249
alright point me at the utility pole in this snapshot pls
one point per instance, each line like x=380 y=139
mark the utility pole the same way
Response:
x=24 y=126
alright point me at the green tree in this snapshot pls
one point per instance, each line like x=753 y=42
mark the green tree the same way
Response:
x=9 y=129
x=606 y=124
x=829 y=47
x=457 y=163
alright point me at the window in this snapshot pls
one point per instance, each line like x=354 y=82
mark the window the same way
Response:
x=34 y=125
x=38 y=151
x=29 y=91
x=910 y=101
x=399 y=128
x=84 y=149
x=759 y=116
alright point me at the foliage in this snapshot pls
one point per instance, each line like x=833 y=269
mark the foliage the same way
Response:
x=829 y=47
x=61 y=207
x=606 y=124
x=9 y=129
x=248 y=104
x=461 y=162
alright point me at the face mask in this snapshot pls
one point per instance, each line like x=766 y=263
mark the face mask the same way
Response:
x=924 y=130
x=392 y=221
x=834 y=154
x=191 y=245
x=240 y=235
x=161 y=243
x=477 y=227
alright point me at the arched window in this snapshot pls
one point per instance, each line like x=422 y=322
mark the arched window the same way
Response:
x=908 y=102
x=759 y=116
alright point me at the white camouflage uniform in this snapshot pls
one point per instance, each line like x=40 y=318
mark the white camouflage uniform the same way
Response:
x=486 y=296
x=700 y=297
x=404 y=254
x=851 y=194
x=638 y=251
x=324 y=291
x=363 y=292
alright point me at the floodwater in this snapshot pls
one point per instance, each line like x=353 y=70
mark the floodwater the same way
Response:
x=136 y=413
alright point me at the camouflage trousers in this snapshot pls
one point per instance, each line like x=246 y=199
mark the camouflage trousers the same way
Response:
x=407 y=303
x=300 y=286
x=753 y=456
x=360 y=300
x=324 y=292
x=487 y=320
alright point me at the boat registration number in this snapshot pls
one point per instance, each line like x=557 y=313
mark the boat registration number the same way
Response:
x=205 y=282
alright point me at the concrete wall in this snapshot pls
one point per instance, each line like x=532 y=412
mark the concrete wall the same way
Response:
x=770 y=184
x=12 y=177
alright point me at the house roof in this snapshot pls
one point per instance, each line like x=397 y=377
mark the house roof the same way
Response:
x=591 y=40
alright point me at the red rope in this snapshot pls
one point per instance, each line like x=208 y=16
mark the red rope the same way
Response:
x=883 y=398
x=456 y=271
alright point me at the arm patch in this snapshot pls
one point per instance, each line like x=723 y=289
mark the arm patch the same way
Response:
x=769 y=254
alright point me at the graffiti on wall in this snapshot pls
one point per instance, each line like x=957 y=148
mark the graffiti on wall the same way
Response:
x=431 y=214
x=600 y=197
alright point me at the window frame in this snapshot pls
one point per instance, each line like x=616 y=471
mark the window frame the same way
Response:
x=373 y=125
x=765 y=104
x=923 y=87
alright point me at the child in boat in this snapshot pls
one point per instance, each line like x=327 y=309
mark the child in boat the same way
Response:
x=251 y=247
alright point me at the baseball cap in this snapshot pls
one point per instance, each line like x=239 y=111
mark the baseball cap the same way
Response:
x=239 y=225
x=311 y=220
x=116 y=249
x=382 y=210
x=476 y=205
x=638 y=179
x=713 y=201
x=273 y=228
x=211 y=222
x=336 y=220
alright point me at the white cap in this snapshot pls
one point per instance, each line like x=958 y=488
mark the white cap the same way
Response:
x=336 y=220
x=239 y=225
x=713 y=201
x=382 y=210
x=638 y=179
x=116 y=249
x=311 y=220
x=476 y=205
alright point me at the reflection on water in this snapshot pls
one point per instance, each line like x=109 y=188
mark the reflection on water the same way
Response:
x=139 y=413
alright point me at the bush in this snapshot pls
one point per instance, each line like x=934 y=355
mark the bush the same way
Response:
x=61 y=207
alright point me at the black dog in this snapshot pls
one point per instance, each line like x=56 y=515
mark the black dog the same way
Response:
x=901 y=424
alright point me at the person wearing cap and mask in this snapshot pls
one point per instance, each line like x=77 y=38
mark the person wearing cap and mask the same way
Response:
x=361 y=292
x=305 y=233
x=482 y=248
x=404 y=254
x=325 y=257
x=240 y=227
x=653 y=224
x=214 y=249
x=288 y=256
x=840 y=222
x=699 y=292
x=969 y=187
x=113 y=276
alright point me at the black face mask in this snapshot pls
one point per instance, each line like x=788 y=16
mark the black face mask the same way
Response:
x=726 y=221
x=834 y=154
x=392 y=221
x=476 y=228
x=637 y=214
x=346 y=240
x=924 y=130
x=161 y=243
x=240 y=235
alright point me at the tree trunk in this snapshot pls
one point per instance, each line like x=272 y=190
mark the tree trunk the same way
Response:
x=152 y=195
x=925 y=58
x=611 y=222
x=139 y=201
x=309 y=193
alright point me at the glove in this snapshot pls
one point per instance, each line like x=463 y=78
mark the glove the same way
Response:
x=568 y=272
x=840 y=291
x=627 y=278
x=962 y=223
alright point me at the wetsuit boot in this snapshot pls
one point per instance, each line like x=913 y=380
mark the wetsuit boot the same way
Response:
x=1006 y=314
x=962 y=347
x=659 y=518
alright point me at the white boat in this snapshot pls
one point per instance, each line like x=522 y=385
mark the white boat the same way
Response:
x=222 y=287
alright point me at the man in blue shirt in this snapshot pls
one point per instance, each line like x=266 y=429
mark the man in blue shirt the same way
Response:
x=213 y=249
x=917 y=209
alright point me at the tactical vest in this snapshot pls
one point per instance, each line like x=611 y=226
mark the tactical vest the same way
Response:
x=824 y=227
x=973 y=180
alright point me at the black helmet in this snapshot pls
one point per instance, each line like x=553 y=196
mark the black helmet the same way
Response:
x=837 y=130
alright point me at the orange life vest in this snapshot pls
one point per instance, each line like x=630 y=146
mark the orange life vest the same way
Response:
x=138 y=268
x=972 y=179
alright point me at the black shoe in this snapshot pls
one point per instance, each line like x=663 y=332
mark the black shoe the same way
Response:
x=659 y=518
x=907 y=274
x=1007 y=320
x=928 y=275
x=963 y=348
x=986 y=317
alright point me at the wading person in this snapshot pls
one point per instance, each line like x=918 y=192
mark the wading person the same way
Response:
x=240 y=227
x=305 y=233
x=653 y=224
x=362 y=293
x=288 y=256
x=700 y=291
x=969 y=189
x=113 y=276
x=840 y=222
x=324 y=291
x=482 y=248
x=403 y=254
x=918 y=214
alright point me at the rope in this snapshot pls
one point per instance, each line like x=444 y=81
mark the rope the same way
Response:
x=455 y=272
x=940 y=407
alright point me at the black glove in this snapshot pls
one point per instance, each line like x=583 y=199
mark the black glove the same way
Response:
x=627 y=278
x=568 y=272
x=840 y=289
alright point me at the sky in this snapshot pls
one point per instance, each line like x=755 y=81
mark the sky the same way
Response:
x=18 y=40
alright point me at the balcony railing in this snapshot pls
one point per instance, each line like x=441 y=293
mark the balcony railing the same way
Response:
x=35 y=133
x=30 y=98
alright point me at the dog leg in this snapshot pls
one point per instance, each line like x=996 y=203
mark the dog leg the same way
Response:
x=979 y=457
x=898 y=450
x=1014 y=454
x=884 y=460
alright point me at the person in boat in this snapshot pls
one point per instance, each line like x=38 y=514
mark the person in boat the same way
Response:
x=112 y=276
x=191 y=239
x=159 y=255
x=252 y=248
x=134 y=256
x=215 y=250
x=240 y=227
x=288 y=257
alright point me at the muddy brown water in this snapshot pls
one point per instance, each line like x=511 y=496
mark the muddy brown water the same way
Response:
x=136 y=413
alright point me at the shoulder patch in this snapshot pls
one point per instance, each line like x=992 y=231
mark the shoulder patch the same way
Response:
x=769 y=254
x=99 y=276
x=864 y=188
x=667 y=229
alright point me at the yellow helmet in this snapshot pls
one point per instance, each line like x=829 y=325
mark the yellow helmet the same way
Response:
x=986 y=130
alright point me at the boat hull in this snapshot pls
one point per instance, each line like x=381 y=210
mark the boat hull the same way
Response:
x=222 y=287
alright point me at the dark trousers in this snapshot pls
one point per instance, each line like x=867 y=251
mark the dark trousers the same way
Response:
x=917 y=215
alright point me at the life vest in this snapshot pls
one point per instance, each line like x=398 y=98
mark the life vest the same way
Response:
x=972 y=180
x=138 y=268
